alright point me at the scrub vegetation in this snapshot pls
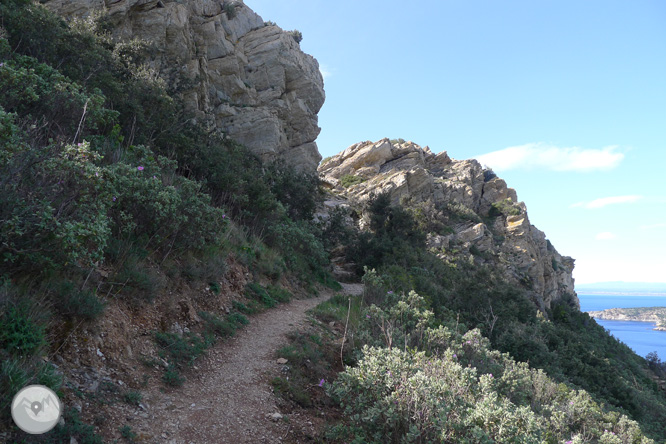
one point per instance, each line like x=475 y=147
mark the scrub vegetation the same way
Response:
x=100 y=167
x=448 y=352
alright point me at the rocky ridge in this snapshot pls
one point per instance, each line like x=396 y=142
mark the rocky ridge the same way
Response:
x=244 y=77
x=480 y=217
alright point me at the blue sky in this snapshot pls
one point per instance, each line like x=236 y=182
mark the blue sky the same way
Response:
x=566 y=100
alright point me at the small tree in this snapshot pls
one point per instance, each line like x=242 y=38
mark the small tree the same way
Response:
x=653 y=360
x=296 y=35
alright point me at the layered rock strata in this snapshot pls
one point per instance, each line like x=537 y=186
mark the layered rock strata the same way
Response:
x=484 y=220
x=246 y=78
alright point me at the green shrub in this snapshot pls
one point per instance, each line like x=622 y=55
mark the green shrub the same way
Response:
x=393 y=393
x=181 y=350
x=243 y=308
x=55 y=215
x=209 y=268
x=230 y=10
x=143 y=183
x=74 y=428
x=326 y=278
x=58 y=216
x=127 y=433
x=82 y=304
x=296 y=35
x=569 y=347
x=238 y=319
x=350 y=180
x=268 y=296
x=259 y=294
x=140 y=282
x=458 y=211
x=289 y=390
x=504 y=207
x=401 y=323
x=13 y=377
x=338 y=229
x=428 y=217
x=335 y=309
x=84 y=52
x=300 y=244
x=36 y=89
x=172 y=377
x=270 y=263
x=132 y=397
x=296 y=190
x=20 y=334
x=309 y=362
x=54 y=204
x=217 y=326
x=278 y=293
x=394 y=236
x=47 y=374
x=398 y=396
x=172 y=213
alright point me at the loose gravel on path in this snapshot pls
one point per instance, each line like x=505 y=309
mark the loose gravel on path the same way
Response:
x=229 y=399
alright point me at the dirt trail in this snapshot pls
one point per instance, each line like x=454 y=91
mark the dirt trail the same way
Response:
x=228 y=398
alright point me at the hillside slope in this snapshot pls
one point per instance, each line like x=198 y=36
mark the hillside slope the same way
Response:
x=132 y=235
x=446 y=244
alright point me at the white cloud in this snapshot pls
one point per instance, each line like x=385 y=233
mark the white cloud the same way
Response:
x=605 y=201
x=606 y=235
x=542 y=155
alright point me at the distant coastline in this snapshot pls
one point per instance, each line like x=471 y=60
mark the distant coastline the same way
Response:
x=655 y=315
x=620 y=293
x=623 y=288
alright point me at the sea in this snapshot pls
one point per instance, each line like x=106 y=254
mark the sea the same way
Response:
x=640 y=336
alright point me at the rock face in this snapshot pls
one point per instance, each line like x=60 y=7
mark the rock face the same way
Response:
x=484 y=220
x=245 y=78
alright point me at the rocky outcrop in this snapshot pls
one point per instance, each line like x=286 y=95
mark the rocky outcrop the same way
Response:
x=481 y=216
x=656 y=315
x=246 y=78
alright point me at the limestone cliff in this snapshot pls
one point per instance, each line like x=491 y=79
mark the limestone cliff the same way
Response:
x=246 y=78
x=480 y=216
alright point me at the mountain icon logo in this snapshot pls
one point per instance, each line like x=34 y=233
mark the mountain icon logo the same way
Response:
x=36 y=409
